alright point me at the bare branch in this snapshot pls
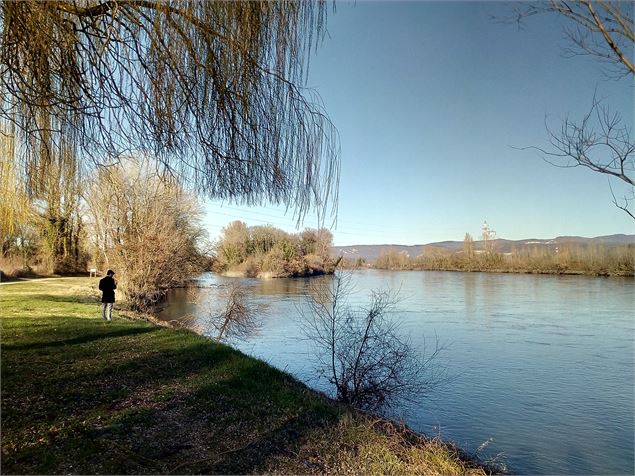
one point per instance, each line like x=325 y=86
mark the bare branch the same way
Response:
x=626 y=200
x=619 y=17
x=601 y=142
x=602 y=29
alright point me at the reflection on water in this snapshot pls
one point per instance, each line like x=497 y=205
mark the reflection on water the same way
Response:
x=544 y=365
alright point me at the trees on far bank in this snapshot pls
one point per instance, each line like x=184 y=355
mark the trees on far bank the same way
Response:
x=256 y=249
x=468 y=245
x=393 y=259
x=593 y=259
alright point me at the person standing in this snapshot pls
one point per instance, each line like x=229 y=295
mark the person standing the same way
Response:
x=107 y=286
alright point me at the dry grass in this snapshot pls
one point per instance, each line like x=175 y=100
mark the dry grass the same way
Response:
x=361 y=444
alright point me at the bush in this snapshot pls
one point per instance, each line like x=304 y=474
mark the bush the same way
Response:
x=251 y=266
x=12 y=268
x=362 y=352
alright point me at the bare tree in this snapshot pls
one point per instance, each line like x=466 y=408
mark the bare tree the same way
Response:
x=147 y=227
x=468 y=246
x=488 y=236
x=238 y=319
x=601 y=141
x=363 y=353
x=212 y=90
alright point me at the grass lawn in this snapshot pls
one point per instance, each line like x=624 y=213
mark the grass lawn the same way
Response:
x=80 y=395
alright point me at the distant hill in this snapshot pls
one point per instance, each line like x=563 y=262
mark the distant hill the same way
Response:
x=372 y=252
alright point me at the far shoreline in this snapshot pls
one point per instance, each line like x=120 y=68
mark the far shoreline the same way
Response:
x=270 y=274
x=630 y=274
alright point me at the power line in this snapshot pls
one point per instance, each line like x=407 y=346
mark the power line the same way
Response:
x=348 y=230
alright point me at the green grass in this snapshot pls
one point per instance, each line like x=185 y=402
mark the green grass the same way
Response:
x=80 y=395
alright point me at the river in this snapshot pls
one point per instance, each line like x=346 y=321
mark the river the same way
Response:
x=542 y=367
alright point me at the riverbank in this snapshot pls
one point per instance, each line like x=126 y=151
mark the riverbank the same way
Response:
x=83 y=396
x=238 y=273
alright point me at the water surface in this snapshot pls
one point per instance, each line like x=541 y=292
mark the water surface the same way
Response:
x=542 y=366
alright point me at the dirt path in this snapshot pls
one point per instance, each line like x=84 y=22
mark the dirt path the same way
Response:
x=24 y=280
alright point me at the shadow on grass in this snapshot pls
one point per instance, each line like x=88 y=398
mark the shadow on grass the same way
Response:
x=80 y=298
x=79 y=340
x=72 y=383
x=226 y=426
x=274 y=417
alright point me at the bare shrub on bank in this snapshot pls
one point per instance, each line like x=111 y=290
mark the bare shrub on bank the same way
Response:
x=363 y=352
x=237 y=317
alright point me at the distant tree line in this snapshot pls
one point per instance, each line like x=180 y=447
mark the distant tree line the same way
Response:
x=354 y=263
x=257 y=250
x=569 y=258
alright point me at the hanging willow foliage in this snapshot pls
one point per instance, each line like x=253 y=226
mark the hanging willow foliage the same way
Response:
x=14 y=204
x=212 y=90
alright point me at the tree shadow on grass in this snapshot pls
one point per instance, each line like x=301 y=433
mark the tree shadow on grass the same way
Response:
x=80 y=298
x=84 y=382
x=84 y=338
x=210 y=431
x=199 y=408
x=275 y=416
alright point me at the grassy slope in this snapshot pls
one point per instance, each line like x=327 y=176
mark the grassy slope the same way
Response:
x=80 y=395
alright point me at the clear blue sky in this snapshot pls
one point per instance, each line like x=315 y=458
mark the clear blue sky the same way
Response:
x=429 y=99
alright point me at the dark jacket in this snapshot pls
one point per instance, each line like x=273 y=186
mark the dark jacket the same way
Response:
x=107 y=286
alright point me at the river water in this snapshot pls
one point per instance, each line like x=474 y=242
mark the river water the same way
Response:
x=542 y=367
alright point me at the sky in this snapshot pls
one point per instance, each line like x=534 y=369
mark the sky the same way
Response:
x=432 y=101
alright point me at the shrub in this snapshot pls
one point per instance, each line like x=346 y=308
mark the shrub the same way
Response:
x=362 y=352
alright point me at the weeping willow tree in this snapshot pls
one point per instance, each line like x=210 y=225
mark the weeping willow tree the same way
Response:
x=14 y=205
x=211 y=90
x=58 y=213
x=47 y=222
